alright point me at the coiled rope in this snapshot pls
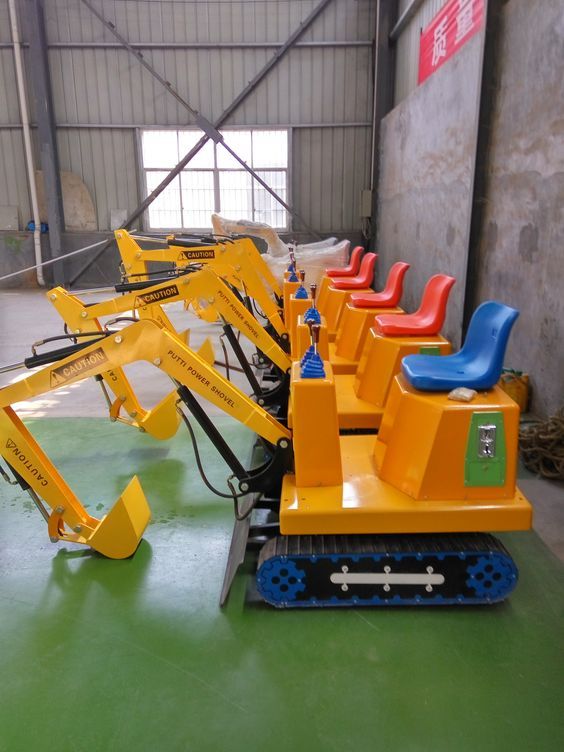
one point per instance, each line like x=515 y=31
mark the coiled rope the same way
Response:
x=542 y=446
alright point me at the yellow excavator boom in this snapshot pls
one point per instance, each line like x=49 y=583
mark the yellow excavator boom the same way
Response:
x=203 y=290
x=134 y=258
x=147 y=341
x=116 y=535
x=237 y=261
x=210 y=297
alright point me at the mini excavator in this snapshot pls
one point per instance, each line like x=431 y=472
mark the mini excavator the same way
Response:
x=401 y=518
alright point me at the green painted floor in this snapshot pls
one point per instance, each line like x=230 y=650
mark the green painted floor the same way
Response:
x=136 y=655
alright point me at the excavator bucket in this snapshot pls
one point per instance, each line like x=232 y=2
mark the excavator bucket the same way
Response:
x=119 y=532
x=203 y=310
x=162 y=421
x=206 y=351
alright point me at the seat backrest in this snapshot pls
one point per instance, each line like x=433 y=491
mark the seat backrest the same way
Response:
x=394 y=283
x=356 y=255
x=366 y=271
x=352 y=267
x=488 y=334
x=432 y=310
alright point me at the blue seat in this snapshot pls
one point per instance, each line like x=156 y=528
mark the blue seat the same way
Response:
x=477 y=365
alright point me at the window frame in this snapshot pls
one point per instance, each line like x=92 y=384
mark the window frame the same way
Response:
x=215 y=170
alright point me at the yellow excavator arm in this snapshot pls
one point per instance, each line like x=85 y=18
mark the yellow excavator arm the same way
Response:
x=210 y=298
x=134 y=258
x=147 y=341
x=237 y=261
x=116 y=535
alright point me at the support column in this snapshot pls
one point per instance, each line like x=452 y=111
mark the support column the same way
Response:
x=384 y=69
x=34 y=18
x=489 y=86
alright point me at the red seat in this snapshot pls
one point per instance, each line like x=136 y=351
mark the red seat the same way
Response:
x=390 y=296
x=363 y=279
x=352 y=269
x=428 y=319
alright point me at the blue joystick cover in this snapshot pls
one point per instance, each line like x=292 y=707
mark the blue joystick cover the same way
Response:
x=307 y=355
x=313 y=367
x=312 y=315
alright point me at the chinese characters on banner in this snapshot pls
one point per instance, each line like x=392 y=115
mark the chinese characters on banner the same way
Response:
x=452 y=27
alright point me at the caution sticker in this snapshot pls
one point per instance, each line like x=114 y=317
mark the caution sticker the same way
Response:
x=78 y=366
x=197 y=255
x=157 y=296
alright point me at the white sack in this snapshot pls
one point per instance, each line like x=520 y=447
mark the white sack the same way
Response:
x=314 y=258
x=313 y=262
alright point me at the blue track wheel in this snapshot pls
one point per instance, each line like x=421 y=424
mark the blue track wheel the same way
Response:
x=490 y=575
x=280 y=580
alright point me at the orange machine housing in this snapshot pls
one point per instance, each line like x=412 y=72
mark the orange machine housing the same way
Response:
x=317 y=463
x=409 y=479
x=296 y=307
x=354 y=325
x=288 y=288
x=361 y=397
x=333 y=307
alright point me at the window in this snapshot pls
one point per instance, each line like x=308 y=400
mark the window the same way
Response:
x=213 y=180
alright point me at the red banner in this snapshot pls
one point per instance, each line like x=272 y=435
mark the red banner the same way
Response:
x=451 y=28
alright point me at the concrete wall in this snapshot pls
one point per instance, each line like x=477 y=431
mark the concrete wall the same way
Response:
x=428 y=147
x=522 y=248
x=427 y=152
x=407 y=46
x=16 y=253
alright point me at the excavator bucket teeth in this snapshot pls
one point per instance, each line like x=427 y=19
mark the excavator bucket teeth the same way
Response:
x=119 y=532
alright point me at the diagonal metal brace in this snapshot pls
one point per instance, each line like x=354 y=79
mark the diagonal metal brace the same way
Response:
x=202 y=122
x=210 y=129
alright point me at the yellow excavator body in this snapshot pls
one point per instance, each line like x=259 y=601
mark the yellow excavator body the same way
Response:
x=418 y=475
